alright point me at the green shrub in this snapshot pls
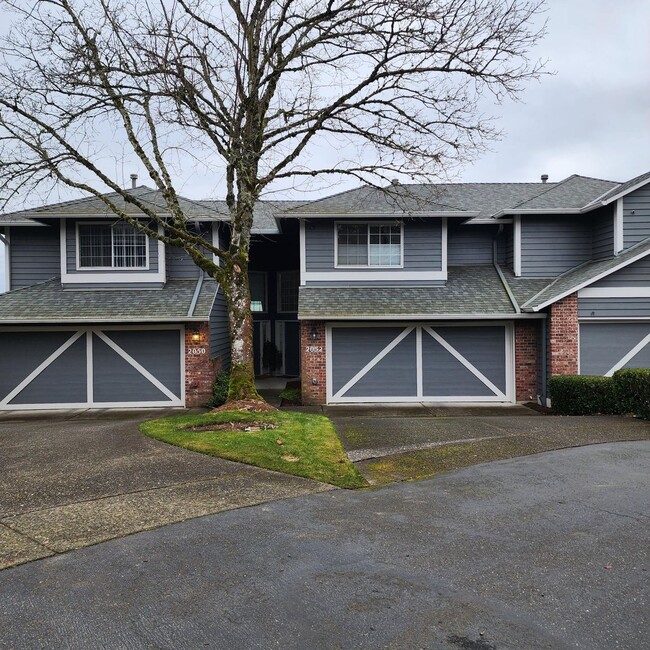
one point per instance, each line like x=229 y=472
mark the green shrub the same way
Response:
x=292 y=395
x=583 y=394
x=219 y=390
x=633 y=390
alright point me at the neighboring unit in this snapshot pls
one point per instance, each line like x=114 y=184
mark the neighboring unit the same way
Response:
x=410 y=293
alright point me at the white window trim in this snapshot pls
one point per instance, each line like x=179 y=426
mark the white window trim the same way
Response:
x=7 y=259
x=278 y=292
x=216 y=242
x=303 y=253
x=77 y=333
x=619 y=238
x=614 y=292
x=516 y=245
x=368 y=224
x=112 y=267
x=118 y=276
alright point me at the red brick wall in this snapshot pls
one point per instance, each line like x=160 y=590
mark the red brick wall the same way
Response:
x=563 y=339
x=200 y=370
x=313 y=362
x=526 y=360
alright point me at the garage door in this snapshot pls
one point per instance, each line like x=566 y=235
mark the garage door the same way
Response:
x=91 y=367
x=423 y=362
x=608 y=347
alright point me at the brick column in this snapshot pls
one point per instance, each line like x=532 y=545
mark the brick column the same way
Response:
x=313 y=362
x=526 y=360
x=563 y=336
x=200 y=370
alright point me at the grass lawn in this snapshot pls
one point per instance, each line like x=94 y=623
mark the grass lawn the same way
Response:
x=310 y=446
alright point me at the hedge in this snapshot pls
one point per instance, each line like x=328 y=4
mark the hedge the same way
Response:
x=628 y=391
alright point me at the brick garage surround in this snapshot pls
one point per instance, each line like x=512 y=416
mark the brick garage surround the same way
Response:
x=313 y=364
x=200 y=370
x=563 y=336
x=526 y=360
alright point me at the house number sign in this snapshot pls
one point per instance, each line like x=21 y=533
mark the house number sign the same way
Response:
x=314 y=349
x=196 y=351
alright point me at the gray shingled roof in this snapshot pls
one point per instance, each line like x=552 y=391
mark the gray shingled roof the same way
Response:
x=524 y=289
x=583 y=275
x=477 y=200
x=48 y=302
x=469 y=290
x=263 y=213
x=621 y=188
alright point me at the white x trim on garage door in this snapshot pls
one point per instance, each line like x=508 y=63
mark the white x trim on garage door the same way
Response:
x=92 y=363
x=408 y=362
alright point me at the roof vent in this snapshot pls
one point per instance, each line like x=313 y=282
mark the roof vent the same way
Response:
x=134 y=181
x=544 y=178
x=395 y=181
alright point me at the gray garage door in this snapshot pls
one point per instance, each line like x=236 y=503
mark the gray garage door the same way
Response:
x=608 y=347
x=91 y=367
x=423 y=362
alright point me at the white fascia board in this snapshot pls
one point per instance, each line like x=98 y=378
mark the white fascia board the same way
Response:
x=380 y=215
x=422 y=317
x=352 y=275
x=614 y=292
x=620 y=195
x=98 y=319
x=586 y=283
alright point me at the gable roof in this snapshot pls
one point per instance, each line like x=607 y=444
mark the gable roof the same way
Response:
x=48 y=302
x=623 y=188
x=264 y=213
x=584 y=275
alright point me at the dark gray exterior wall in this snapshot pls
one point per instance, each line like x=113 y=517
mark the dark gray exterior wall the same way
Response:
x=219 y=336
x=470 y=244
x=613 y=307
x=636 y=216
x=553 y=244
x=34 y=255
x=422 y=245
x=71 y=253
x=636 y=274
x=602 y=235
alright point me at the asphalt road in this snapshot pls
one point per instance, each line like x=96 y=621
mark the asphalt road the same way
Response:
x=545 y=551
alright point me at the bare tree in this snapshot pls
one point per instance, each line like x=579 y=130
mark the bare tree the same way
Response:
x=263 y=84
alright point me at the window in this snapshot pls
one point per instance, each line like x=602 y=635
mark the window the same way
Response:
x=369 y=244
x=112 y=246
x=257 y=282
x=288 y=282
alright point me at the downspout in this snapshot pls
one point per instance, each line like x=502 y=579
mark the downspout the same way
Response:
x=502 y=277
x=544 y=362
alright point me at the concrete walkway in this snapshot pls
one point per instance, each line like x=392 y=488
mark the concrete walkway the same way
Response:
x=74 y=479
x=543 y=552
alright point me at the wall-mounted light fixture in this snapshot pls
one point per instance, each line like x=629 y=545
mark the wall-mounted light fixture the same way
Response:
x=195 y=336
x=314 y=334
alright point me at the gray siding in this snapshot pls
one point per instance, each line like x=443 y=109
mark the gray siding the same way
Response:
x=603 y=345
x=551 y=245
x=34 y=255
x=632 y=275
x=422 y=245
x=613 y=307
x=602 y=242
x=71 y=254
x=636 y=216
x=470 y=245
x=179 y=265
x=219 y=336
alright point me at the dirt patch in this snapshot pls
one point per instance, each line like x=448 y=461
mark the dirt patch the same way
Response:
x=256 y=406
x=235 y=426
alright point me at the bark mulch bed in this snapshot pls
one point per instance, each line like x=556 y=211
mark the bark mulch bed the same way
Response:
x=252 y=405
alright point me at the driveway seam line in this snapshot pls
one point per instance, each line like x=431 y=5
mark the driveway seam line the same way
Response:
x=29 y=537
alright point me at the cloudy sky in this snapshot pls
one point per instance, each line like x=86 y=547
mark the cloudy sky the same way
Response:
x=591 y=117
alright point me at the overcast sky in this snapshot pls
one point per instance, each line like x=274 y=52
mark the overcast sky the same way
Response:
x=592 y=117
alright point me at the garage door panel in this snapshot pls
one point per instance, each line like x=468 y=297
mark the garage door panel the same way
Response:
x=393 y=376
x=603 y=345
x=22 y=352
x=62 y=382
x=355 y=347
x=445 y=376
x=483 y=347
x=116 y=380
x=157 y=351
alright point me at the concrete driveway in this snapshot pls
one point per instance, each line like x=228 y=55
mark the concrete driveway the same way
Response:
x=73 y=479
x=392 y=444
x=547 y=551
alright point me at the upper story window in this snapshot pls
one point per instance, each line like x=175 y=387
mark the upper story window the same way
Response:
x=288 y=283
x=111 y=246
x=369 y=244
x=257 y=283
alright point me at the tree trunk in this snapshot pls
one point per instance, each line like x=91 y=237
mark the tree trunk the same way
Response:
x=242 y=367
